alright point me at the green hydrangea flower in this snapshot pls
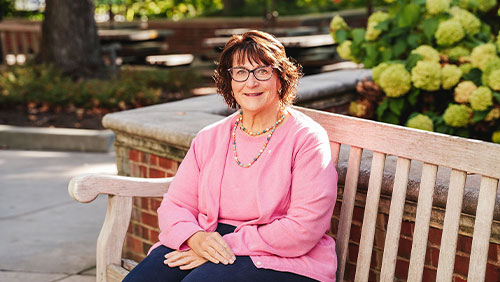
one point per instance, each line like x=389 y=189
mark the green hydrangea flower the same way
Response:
x=371 y=32
x=377 y=72
x=465 y=68
x=495 y=137
x=470 y=5
x=450 y=76
x=491 y=66
x=469 y=22
x=344 y=50
x=430 y=54
x=449 y=32
x=357 y=109
x=435 y=7
x=457 y=115
x=337 y=23
x=421 y=121
x=486 y=5
x=395 y=80
x=494 y=81
x=481 y=99
x=481 y=55
x=494 y=114
x=463 y=91
x=426 y=75
x=456 y=53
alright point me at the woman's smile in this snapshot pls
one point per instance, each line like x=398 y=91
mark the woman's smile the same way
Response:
x=253 y=94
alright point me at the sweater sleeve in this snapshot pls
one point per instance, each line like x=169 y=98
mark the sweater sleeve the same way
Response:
x=312 y=198
x=177 y=214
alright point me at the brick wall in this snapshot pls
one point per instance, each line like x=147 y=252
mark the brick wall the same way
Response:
x=143 y=229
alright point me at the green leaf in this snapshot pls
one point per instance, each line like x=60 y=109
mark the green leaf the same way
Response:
x=412 y=60
x=420 y=2
x=390 y=117
x=497 y=96
x=413 y=40
x=474 y=75
x=413 y=96
x=479 y=115
x=429 y=26
x=399 y=48
x=397 y=31
x=462 y=132
x=382 y=107
x=358 y=35
x=396 y=105
x=384 y=26
x=340 y=36
x=371 y=55
x=386 y=54
x=409 y=16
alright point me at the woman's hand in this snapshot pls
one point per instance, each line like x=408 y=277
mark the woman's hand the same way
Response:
x=185 y=260
x=211 y=246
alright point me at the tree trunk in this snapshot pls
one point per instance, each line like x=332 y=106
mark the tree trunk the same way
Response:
x=69 y=38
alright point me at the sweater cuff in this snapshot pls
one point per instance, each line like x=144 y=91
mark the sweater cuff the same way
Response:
x=176 y=238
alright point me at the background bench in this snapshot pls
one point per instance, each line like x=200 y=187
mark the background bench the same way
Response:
x=385 y=144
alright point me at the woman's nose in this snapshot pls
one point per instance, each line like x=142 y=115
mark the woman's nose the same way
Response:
x=252 y=81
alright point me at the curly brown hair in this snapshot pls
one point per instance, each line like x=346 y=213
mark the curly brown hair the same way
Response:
x=260 y=48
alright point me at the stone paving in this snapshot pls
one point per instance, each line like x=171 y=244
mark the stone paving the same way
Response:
x=46 y=235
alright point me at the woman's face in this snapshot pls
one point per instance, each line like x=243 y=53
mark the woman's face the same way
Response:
x=256 y=96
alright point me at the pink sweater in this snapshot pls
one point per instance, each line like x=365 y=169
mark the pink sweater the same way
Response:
x=295 y=186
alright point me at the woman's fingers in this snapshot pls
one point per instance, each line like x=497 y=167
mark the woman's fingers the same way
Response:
x=179 y=262
x=211 y=246
x=223 y=252
x=192 y=265
x=184 y=259
x=227 y=252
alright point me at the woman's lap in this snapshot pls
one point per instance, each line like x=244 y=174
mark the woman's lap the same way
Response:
x=152 y=269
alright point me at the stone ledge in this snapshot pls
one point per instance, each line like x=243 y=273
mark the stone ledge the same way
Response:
x=61 y=139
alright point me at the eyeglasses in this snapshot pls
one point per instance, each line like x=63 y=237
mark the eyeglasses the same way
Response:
x=241 y=74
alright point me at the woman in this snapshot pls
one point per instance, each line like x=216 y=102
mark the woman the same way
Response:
x=253 y=198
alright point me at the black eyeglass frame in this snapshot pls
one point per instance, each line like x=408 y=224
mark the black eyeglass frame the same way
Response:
x=250 y=71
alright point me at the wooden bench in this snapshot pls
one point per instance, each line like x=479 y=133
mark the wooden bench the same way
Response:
x=463 y=156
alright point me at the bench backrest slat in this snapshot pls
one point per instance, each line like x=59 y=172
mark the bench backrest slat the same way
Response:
x=395 y=219
x=420 y=234
x=345 y=220
x=482 y=229
x=335 y=147
x=370 y=217
x=450 y=226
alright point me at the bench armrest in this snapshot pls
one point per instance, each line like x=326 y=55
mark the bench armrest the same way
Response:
x=85 y=188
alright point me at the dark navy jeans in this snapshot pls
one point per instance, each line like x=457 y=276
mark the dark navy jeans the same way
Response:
x=152 y=269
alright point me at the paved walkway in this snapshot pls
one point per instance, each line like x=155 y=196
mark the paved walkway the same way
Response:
x=45 y=235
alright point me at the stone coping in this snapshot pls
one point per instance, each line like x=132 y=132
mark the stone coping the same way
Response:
x=60 y=139
x=177 y=123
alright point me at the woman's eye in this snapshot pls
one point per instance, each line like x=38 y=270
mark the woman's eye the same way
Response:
x=240 y=72
x=262 y=71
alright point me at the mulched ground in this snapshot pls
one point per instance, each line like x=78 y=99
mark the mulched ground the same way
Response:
x=24 y=117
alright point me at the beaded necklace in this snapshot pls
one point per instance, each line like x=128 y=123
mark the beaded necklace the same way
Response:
x=258 y=133
x=268 y=138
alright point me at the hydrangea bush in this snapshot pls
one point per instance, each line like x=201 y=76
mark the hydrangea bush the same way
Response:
x=435 y=62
